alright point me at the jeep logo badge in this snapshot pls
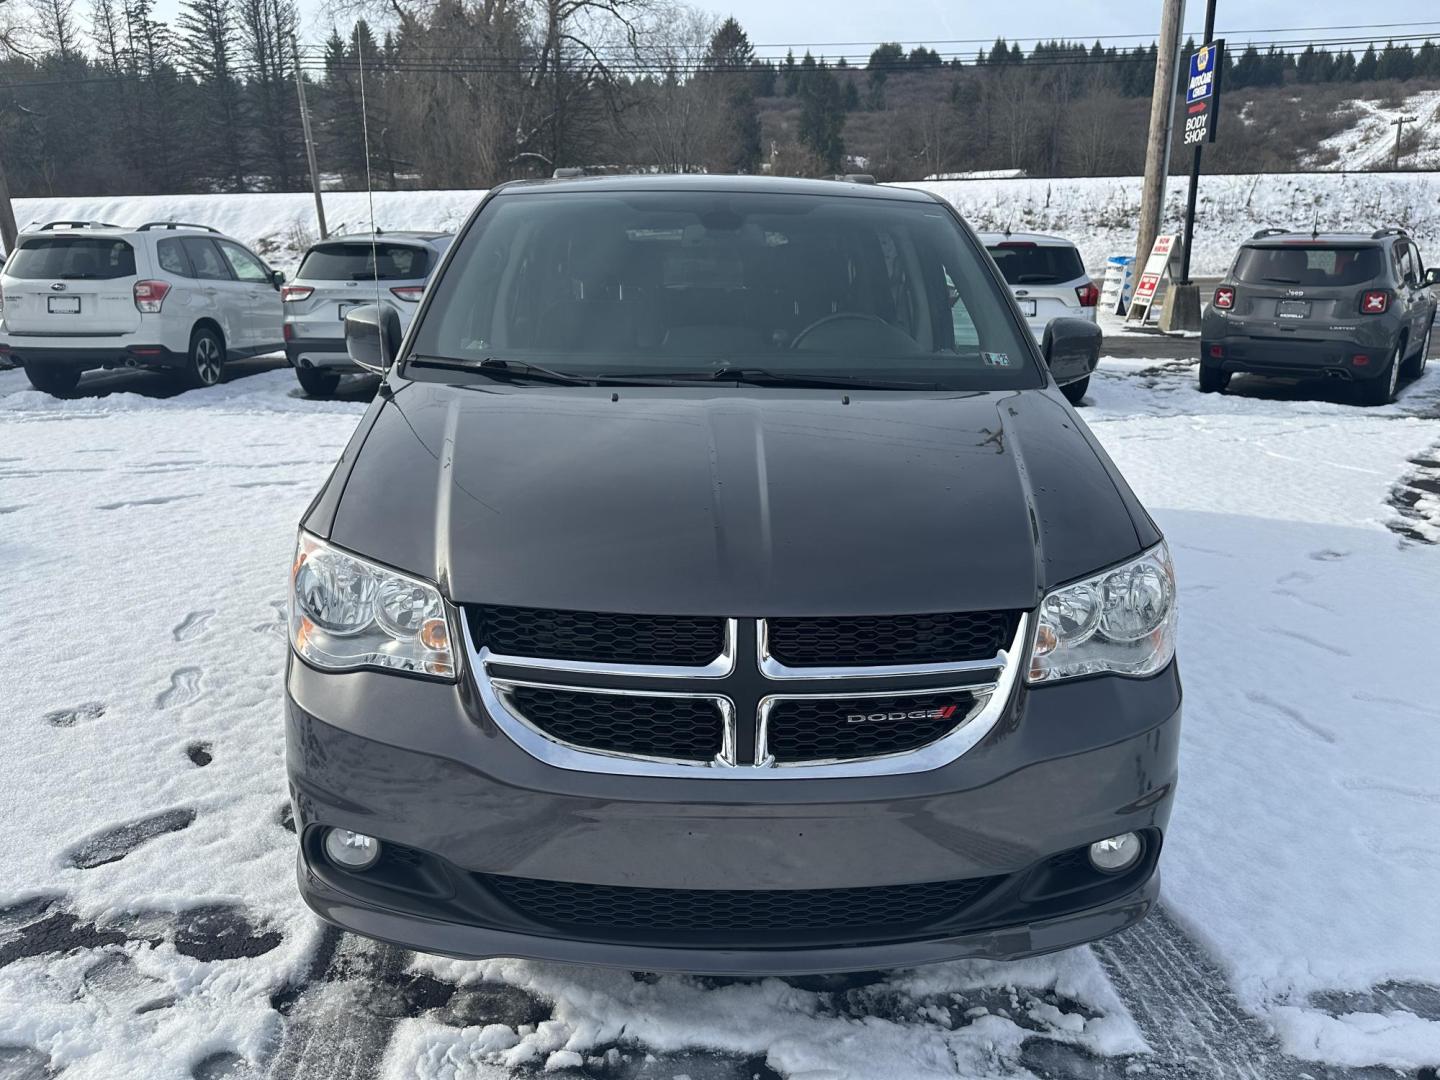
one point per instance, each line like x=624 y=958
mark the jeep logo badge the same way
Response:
x=58 y=286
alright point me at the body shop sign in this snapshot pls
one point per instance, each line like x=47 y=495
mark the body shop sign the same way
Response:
x=1202 y=93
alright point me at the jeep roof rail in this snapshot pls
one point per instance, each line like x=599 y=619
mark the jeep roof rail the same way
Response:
x=1263 y=233
x=50 y=226
x=570 y=172
x=852 y=178
x=1380 y=234
x=173 y=225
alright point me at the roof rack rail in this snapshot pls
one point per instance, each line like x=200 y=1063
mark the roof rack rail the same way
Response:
x=173 y=225
x=50 y=226
x=853 y=178
x=1263 y=233
x=570 y=172
x=1380 y=234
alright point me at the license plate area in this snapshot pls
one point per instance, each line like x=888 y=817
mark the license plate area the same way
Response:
x=62 y=305
x=1292 y=309
x=1027 y=308
x=347 y=306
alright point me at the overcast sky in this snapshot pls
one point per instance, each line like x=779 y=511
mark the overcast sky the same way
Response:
x=821 y=22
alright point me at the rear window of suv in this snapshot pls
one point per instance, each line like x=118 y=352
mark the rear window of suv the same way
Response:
x=72 y=258
x=1025 y=263
x=358 y=262
x=1313 y=265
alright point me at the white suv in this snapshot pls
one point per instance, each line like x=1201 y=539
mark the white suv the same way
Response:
x=345 y=272
x=80 y=295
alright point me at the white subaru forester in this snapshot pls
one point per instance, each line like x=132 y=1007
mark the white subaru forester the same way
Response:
x=83 y=295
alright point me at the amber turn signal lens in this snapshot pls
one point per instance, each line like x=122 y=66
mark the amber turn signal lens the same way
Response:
x=434 y=635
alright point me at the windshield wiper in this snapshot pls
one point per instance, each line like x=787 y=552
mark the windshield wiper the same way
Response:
x=762 y=377
x=497 y=368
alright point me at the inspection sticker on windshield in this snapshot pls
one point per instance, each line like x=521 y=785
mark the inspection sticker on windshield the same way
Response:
x=997 y=359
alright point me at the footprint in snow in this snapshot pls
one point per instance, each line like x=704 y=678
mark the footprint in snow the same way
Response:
x=1328 y=555
x=183 y=689
x=63 y=718
x=193 y=624
x=112 y=845
x=224 y=1066
x=200 y=754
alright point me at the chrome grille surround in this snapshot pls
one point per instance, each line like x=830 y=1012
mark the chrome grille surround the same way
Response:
x=991 y=682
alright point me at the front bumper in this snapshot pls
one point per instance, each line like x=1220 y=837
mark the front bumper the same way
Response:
x=419 y=765
x=87 y=357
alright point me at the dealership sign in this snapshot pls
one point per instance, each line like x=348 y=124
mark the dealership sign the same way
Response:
x=1202 y=93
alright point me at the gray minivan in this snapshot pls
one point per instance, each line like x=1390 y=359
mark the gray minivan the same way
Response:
x=720 y=582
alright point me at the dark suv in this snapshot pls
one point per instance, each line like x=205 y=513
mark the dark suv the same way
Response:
x=719 y=582
x=1344 y=305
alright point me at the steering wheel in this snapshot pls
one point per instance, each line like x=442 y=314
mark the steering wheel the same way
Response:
x=839 y=316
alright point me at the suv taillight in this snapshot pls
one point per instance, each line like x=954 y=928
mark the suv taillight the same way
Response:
x=1375 y=302
x=409 y=293
x=290 y=294
x=150 y=296
x=1224 y=299
x=1089 y=295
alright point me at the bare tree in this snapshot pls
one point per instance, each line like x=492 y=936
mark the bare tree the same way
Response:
x=675 y=118
x=56 y=27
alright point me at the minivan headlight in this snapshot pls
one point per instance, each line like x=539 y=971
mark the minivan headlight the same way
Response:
x=1120 y=621
x=348 y=613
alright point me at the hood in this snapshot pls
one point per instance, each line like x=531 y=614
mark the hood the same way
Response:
x=730 y=501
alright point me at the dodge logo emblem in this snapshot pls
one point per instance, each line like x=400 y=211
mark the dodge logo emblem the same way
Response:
x=945 y=712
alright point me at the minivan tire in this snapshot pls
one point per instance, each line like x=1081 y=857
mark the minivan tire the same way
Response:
x=1213 y=380
x=1381 y=389
x=205 y=364
x=1074 y=392
x=317 y=383
x=56 y=381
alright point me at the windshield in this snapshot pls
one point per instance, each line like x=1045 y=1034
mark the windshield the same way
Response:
x=356 y=261
x=687 y=283
x=1314 y=265
x=72 y=258
x=1024 y=263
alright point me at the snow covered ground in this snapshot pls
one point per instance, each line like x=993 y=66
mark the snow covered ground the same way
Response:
x=1370 y=141
x=1099 y=213
x=149 y=926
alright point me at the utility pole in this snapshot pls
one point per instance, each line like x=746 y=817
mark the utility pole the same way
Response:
x=309 y=139
x=1162 y=112
x=1399 y=125
x=8 y=229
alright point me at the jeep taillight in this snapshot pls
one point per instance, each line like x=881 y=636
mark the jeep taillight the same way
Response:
x=291 y=294
x=1224 y=299
x=1088 y=294
x=409 y=293
x=150 y=296
x=1375 y=302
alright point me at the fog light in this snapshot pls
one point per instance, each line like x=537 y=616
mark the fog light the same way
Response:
x=1116 y=854
x=355 y=851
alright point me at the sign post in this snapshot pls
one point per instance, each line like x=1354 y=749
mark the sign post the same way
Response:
x=1202 y=112
x=1147 y=288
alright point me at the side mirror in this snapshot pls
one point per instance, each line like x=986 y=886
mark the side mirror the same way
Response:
x=1071 y=347
x=277 y=278
x=372 y=336
x=1432 y=277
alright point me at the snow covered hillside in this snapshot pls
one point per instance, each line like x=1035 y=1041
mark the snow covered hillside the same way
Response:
x=1097 y=212
x=149 y=924
x=1370 y=141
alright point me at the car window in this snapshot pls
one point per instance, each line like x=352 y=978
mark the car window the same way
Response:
x=72 y=258
x=205 y=258
x=1317 y=265
x=630 y=282
x=171 y=257
x=356 y=261
x=246 y=266
x=1024 y=262
x=1409 y=269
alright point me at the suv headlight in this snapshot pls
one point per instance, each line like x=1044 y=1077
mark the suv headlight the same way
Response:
x=348 y=613
x=1121 y=621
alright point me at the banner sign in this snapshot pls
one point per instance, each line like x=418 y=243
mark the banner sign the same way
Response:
x=1202 y=93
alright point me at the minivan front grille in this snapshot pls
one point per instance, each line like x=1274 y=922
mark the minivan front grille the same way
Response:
x=670 y=728
x=807 y=729
x=597 y=636
x=876 y=912
x=851 y=641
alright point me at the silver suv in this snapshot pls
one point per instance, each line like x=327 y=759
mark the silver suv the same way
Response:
x=344 y=273
x=80 y=295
